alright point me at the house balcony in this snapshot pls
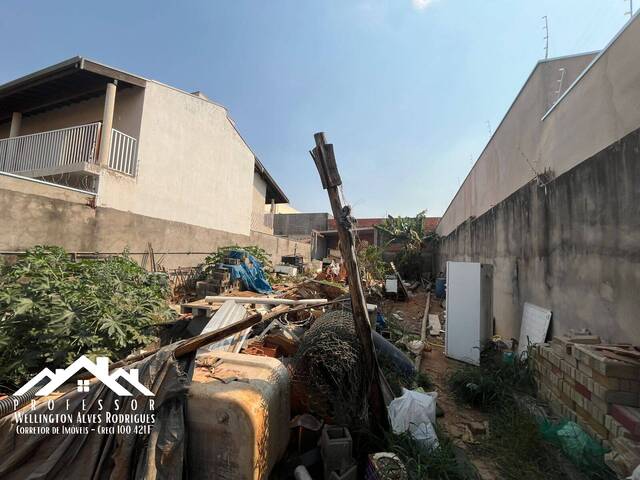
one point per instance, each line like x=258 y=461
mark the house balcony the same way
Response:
x=70 y=154
x=69 y=122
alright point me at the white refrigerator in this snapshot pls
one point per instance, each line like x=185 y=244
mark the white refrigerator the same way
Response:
x=469 y=322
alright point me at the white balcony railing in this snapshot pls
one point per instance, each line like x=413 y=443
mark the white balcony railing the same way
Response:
x=55 y=148
x=123 y=153
x=44 y=151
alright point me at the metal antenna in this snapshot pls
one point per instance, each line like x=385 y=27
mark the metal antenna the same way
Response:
x=546 y=36
x=630 y=12
x=560 y=80
x=489 y=127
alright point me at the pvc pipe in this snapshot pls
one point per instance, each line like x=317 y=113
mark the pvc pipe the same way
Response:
x=266 y=300
x=301 y=473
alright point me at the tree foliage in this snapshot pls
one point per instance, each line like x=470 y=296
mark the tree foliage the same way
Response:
x=53 y=309
x=408 y=231
x=370 y=261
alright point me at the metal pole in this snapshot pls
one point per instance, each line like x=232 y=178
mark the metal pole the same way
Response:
x=546 y=37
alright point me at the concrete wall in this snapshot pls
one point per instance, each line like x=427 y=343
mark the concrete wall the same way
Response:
x=572 y=247
x=602 y=106
x=193 y=166
x=35 y=214
x=299 y=223
x=281 y=208
x=501 y=169
x=258 y=212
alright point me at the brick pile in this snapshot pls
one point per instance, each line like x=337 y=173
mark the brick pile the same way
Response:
x=598 y=386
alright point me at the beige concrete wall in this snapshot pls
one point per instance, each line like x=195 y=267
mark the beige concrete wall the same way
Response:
x=257 y=213
x=35 y=214
x=501 y=168
x=600 y=108
x=281 y=208
x=127 y=115
x=193 y=166
x=572 y=247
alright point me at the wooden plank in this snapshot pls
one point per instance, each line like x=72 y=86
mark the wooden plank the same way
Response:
x=619 y=358
x=324 y=158
x=625 y=352
x=400 y=282
x=423 y=332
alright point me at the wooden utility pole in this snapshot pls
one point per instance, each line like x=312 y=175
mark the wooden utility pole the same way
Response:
x=325 y=161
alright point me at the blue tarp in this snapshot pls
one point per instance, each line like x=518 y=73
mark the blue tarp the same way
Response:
x=251 y=274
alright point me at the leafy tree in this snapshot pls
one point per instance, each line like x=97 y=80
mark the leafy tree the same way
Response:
x=53 y=309
x=410 y=234
x=370 y=261
x=408 y=231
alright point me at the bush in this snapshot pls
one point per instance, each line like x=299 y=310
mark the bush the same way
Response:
x=492 y=384
x=445 y=462
x=412 y=264
x=52 y=310
x=370 y=261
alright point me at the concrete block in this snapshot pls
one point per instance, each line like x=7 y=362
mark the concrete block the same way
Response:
x=582 y=390
x=586 y=421
x=630 y=385
x=627 y=447
x=611 y=383
x=578 y=399
x=350 y=473
x=585 y=339
x=585 y=368
x=596 y=413
x=584 y=380
x=616 y=462
x=608 y=366
x=336 y=448
x=567 y=369
x=554 y=359
x=629 y=418
x=600 y=403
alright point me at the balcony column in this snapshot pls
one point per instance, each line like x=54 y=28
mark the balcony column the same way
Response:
x=107 y=124
x=16 y=123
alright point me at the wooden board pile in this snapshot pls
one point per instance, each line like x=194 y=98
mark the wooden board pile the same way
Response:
x=598 y=386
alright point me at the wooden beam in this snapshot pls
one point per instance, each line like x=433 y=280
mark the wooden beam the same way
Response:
x=423 y=332
x=325 y=161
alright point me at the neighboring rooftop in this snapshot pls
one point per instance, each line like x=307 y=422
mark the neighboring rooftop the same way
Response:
x=78 y=79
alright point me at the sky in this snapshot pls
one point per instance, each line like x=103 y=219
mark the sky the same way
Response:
x=406 y=90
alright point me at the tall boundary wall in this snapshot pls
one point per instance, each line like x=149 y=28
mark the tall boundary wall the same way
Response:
x=572 y=246
x=33 y=213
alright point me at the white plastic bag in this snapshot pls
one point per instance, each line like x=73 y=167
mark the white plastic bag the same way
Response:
x=415 y=412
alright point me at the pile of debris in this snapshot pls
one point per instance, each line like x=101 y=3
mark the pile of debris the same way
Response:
x=282 y=378
x=598 y=386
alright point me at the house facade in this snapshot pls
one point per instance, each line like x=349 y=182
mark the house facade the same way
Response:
x=138 y=147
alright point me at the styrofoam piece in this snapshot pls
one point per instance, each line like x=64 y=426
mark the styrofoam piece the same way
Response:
x=534 y=326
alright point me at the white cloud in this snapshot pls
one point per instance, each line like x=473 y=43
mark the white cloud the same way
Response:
x=422 y=4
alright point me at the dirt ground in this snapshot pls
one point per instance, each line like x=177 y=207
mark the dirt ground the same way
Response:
x=464 y=425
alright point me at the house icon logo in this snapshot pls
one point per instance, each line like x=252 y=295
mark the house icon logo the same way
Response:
x=100 y=370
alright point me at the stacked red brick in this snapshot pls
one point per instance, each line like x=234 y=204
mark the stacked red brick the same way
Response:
x=597 y=386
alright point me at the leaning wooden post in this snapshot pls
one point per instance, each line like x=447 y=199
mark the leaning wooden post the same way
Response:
x=325 y=161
